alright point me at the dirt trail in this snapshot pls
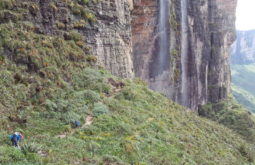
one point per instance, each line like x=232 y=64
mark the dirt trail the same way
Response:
x=88 y=121
x=116 y=88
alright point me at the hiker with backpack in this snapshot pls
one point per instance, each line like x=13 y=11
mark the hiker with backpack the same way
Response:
x=76 y=124
x=16 y=138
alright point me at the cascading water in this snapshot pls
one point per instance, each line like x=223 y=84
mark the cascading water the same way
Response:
x=163 y=43
x=161 y=59
x=184 y=49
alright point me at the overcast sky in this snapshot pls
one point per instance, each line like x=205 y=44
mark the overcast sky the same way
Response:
x=245 y=15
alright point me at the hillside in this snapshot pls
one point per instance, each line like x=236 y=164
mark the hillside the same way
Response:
x=131 y=124
x=243 y=86
x=242 y=67
x=54 y=57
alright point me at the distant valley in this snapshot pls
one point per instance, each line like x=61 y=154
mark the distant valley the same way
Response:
x=243 y=68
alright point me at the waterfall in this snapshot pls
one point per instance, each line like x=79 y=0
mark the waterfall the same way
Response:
x=163 y=41
x=184 y=49
x=160 y=60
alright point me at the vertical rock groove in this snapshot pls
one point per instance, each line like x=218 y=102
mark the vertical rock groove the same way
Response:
x=184 y=49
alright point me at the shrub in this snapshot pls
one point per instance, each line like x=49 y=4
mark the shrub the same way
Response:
x=6 y=16
x=79 y=24
x=89 y=16
x=77 y=9
x=99 y=109
x=60 y=25
x=127 y=93
x=91 y=59
x=91 y=97
x=31 y=148
x=50 y=105
x=4 y=139
x=75 y=35
x=247 y=152
x=83 y=2
x=70 y=117
x=91 y=79
x=10 y=154
x=6 y=4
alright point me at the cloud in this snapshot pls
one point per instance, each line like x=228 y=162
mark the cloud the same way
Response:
x=245 y=15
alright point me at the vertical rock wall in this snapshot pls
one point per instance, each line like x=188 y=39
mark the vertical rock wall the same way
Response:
x=144 y=25
x=146 y=49
x=110 y=38
x=211 y=31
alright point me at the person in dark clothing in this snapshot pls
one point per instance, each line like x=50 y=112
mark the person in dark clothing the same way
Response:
x=15 y=138
x=77 y=124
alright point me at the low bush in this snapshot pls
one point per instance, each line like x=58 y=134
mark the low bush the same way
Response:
x=233 y=116
x=99 y=109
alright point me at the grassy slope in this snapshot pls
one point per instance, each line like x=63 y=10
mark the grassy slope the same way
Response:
x=46 y=82
x=231 y=115
x=243 y=85
x=135 y=126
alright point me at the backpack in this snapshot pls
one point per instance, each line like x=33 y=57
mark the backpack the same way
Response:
x=14 y=137
x=77 y=123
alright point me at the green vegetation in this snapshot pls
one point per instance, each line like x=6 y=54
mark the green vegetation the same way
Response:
x=233 y=116
x=47 y=82
x=131 y=125
x=79 y=10
x=243 y=85
x=43 y=90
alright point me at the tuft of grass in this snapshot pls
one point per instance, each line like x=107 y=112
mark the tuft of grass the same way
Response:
x=6 y=4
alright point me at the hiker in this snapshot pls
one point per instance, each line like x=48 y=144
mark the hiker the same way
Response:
x=77 y=123
x=16 y=138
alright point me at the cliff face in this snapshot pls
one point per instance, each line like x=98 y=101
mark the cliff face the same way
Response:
x=211 y=31
x=243 y=49
x=179 y=47
x=198 y=70
x=105 y=26
x=110 y=38
x=146 y=46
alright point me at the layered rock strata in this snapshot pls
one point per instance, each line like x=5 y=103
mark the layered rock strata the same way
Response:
x=104 y=25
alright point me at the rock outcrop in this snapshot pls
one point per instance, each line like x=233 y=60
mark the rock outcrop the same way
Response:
x=105 y=26
x=243 y=49
x=110 y=38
